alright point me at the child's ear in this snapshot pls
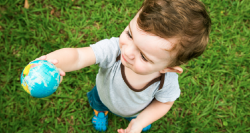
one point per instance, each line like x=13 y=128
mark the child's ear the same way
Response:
x=176 y=69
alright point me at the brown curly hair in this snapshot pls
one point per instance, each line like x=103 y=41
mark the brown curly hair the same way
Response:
x=186 y=20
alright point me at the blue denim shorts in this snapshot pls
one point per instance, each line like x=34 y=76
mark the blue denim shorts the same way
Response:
x=94 y=100
x=96 y=103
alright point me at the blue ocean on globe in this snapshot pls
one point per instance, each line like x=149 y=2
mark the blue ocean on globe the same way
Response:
x=40 y=78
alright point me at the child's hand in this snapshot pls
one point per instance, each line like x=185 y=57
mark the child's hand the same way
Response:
x=133 y=127
x=62 y=73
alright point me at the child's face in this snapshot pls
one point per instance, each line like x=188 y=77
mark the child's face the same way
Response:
x=144 y=53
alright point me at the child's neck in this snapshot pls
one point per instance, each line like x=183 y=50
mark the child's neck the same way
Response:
x=139 y=81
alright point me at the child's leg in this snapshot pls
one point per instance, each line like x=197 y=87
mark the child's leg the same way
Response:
x=100 y=119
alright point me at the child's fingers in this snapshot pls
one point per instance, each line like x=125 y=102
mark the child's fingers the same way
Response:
x=62 y=73
x=127 y=130
x=41 y=58
x=121 y=131
x=53 y=61
x=61 y=78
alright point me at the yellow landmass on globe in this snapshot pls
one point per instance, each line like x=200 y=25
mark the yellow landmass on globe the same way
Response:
x=26 y=70
x=25 y=73
x=25 y=87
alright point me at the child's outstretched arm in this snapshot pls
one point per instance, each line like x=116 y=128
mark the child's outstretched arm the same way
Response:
x=70 y=59
x=153 y=112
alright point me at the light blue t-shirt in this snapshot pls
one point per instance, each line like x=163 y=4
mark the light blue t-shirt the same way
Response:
x=114 y=90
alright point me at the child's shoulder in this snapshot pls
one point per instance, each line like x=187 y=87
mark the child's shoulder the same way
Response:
x=171 y=75
x=171 y=78
x=170 y=90
x=114 y=40
x=106 y=51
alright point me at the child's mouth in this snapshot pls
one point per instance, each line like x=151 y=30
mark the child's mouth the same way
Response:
x=124 y=59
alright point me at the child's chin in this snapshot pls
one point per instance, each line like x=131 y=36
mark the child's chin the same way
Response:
x=124 y=63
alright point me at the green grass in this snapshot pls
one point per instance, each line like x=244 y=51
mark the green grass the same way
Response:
x=215 y=87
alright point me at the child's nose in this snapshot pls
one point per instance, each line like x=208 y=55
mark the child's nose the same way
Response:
x=130 y=52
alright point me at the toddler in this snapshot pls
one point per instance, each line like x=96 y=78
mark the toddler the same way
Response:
x=137 y=79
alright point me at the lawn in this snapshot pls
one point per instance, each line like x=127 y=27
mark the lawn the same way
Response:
x=215 y=87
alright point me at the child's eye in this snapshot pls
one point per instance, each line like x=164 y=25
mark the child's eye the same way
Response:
x=143 y=57
x=129 y=34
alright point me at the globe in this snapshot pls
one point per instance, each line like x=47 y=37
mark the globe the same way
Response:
x=40 y=78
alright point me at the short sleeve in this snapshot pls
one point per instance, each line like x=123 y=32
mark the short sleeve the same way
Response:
x=170 y=90
x=106 y=52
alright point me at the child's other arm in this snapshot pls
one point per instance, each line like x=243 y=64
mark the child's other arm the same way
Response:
x=153 y=112
x=70 y=59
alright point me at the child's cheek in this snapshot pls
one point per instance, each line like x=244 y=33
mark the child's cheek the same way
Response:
x=141 y=69
x=121 y=41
